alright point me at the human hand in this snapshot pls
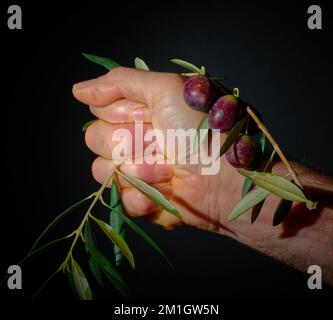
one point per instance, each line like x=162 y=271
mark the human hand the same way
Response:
x=124 y=96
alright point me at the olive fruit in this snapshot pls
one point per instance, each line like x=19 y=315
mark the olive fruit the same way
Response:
x=199 y=92
x=224 y=113
x=242 y=152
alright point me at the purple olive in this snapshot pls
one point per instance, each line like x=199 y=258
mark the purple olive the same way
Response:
x=242 y=152
x=224 y=113
x=199 y=93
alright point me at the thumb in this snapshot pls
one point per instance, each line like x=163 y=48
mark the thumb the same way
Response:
x=132 y=84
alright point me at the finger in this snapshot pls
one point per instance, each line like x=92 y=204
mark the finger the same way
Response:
x=149 y=173
x=137 y=204
x=123 y=111
x=96 y=92
x=133 y=84
x=102 y=138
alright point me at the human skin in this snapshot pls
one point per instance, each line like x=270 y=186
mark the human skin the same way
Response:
x=124 y=96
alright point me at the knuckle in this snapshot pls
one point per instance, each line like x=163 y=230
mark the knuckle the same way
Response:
x=96 y=171
x=96 y=94
x=89 y=136
x=117 y=72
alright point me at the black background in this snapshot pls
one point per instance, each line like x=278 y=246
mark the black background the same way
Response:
x=265 y=49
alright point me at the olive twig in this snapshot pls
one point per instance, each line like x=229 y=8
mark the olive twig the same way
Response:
x=275 y=146
x=78 y=231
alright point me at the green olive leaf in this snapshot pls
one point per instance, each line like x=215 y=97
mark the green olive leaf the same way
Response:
x=254 y=197
x=187 y=65
x=57 y=220
x=71 y=284
x=282 y=211
x=246 y=186
x=80 y=281
x=277 y=185
x=87 y=124
x=218 y=78
x=141 y=233
x=140 y=64
x=43 y=248
x=115 y=221
x=117 y=239
x=262 y=142
x=104 y=62
x=257 y=208
x=189 y=74
x=269 y=164
x=201 y=134
x=37 y=252
x=151 y=193
x=88 y=235
x=95 y=270
x=232 y=136
x=90 y=240
x=108 y=269
x=45 y=283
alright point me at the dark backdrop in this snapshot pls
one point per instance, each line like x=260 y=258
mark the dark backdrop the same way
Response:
x=265 y=49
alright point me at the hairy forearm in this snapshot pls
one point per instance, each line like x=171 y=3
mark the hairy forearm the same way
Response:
x=305 y=237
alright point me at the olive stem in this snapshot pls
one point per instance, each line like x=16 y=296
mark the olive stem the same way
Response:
x=78 y=231
x=275 y=146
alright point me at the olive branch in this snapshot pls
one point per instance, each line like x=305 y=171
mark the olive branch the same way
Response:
x=258 y=185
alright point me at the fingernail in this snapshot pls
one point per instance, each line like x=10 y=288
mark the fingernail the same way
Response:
x=82 y=84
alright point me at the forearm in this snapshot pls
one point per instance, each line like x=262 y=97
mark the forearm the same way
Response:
x=305 y=237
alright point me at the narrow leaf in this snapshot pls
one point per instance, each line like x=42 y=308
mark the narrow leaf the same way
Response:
x=115 y=221
x=88 y=235
x=45 y=283
x=80 y=281
x=246 y=186
x=282 y=211
x=201 y=134
x=150 y=192
x=189 y=74
x=141 y=233
x=233 y=135
x=187 y=65
x=89 y=240
x=278 y=185
x=257 y=208
x=117 y=239
x=42 y=249
x=56 y=221
x=262 y=142
x=140 y=64
x=104 y=62
x=269 y=164
x=95 y=270
x=36 y=253
x=87 y=124
x=72 y=285
x=108 y=269
x=250 y=200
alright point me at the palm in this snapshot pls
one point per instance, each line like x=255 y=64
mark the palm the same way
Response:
x=191 y=190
